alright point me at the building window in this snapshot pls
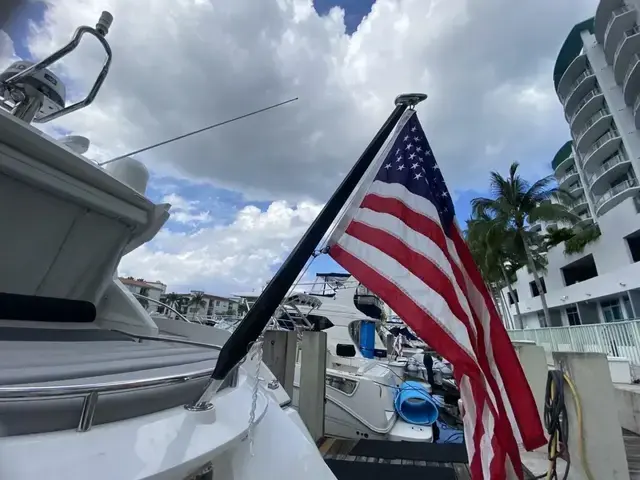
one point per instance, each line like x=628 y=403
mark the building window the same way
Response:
x=611 y=310
x=579 y=271
x=627 y=306
x=541 y=319
x=633 y=242
x=573 y=316
x=511 y=299
x=345 y=385
x=534 y=287
x=217 y=303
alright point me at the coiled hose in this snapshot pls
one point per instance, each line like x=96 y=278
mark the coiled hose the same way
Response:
x=557 y=424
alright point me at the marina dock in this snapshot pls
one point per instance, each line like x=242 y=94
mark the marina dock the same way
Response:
x=377 y=459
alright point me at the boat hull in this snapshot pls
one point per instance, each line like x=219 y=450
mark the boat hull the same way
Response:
x=175 y=444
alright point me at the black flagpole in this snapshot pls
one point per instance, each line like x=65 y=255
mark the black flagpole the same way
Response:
x=265 y=306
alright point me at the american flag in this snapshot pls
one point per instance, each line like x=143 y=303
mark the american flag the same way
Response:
x=400 y=239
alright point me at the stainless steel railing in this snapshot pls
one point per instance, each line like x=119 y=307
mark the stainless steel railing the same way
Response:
x=158 y=302
x=92 y=391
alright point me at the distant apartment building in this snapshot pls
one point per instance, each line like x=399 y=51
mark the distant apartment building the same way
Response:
x=139 y=286
x=213 y=305
x=597 y=80
x=209 y=304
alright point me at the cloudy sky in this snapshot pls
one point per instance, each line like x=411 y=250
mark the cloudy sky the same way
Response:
x=244 y=193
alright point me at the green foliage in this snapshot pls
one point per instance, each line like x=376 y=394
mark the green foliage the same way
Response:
x=499 y=235
x=144 y=302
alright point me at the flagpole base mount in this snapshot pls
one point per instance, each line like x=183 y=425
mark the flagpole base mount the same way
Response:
x=410 y=99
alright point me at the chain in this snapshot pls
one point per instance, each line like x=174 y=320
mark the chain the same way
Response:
x=257 y=347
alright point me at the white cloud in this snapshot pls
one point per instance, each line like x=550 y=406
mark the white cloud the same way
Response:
x=186 y=211
x=224 y=258
x=183 y=64
x=7 y=55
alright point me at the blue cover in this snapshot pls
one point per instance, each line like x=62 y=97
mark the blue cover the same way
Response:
x=415 y=405
x=367 y=338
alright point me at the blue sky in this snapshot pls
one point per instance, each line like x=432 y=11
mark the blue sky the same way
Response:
x=355 y=11
x=223 y=204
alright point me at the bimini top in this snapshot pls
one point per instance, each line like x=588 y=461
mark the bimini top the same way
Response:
x=570 y=49
x=303 y=299
x=563 y=153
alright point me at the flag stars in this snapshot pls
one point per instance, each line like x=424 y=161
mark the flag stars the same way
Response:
x=436 y=167
x=444 y=194
x=418 y=176
x=414 y=166
x=414 y=128
x=427 y=153
x=412 y=156
x=387 y=166
x=420 y=159
x=418 y=149
x=399 y=159
x=416 y=139
x=401 y=166
x=406 y=138
x=398 y=151
x=409 y=146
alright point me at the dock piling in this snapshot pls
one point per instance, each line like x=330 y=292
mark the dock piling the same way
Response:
x=279 y=354
x=312 y=382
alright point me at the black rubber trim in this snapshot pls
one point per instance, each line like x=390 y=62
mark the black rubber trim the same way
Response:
x=429 y=452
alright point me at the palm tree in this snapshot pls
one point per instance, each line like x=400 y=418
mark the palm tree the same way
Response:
x=197 y=300
x=499 y=254
x=574 y=236
x=516 y=204
x=144 y=302
x=172 y=299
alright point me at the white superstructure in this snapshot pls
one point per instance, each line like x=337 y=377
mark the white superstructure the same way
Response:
x=90 y=385
x=597 y=79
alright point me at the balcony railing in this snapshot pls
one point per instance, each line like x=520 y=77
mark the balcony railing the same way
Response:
x=581 y=200
x=615 y=160
x=634 y=60
x=576 y=83
x=612 y=133
x=583 y=102
x=616 y=13
x=570 y=173
x=629 y=33
x=575 y=186
x=621 y=187
x=594 y=118
x=617 y=339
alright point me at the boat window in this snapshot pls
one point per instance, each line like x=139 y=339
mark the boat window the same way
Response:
x=319 y=322
x=345 y=385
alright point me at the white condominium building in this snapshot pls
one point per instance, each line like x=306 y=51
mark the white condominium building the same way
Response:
x=597 y=79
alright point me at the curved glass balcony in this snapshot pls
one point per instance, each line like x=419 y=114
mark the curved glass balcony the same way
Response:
x=628 y=46
x=608 y=171
x=606 y=145
x=616 y=195
x=593 y=128
x=589 y=104
x=621 y=19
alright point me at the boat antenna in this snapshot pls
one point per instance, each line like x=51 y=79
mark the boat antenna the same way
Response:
x=195 y=132
x=256 y=319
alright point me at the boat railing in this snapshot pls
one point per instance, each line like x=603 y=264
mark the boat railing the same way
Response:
x=158 y=302
x=92 y=391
